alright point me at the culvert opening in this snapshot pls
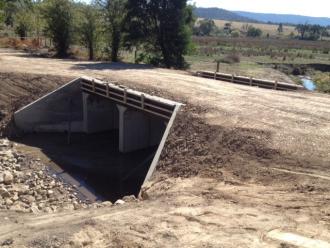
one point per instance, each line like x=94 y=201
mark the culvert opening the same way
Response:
x=105 y=138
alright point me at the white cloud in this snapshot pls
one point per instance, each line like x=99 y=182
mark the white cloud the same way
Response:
x=320 y=8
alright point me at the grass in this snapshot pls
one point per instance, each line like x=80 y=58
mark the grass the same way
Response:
x=274 y=59
x=322 y=81
x=267 y=51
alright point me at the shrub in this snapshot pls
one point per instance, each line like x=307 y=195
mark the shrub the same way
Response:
x=322 y=82
x=254 y=32
x=231 y=59
x=235 y=34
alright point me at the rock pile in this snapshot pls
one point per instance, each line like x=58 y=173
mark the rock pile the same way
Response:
x=27 y=186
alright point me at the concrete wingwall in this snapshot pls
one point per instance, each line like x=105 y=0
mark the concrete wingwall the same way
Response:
x=54 y=111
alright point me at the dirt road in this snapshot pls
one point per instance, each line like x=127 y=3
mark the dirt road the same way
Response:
x=240 y=162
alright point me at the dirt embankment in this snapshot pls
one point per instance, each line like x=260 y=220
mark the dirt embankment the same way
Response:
x=234 y=167
x=19 y=89
x=194 y=147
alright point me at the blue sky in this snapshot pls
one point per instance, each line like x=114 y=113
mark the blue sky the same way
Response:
x=319 y=8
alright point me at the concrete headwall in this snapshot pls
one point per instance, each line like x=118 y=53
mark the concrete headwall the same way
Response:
x=54 y=111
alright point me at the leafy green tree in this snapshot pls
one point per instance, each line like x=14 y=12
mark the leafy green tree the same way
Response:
x=302 y=30
x=23 y=22
x=164 y=27
x=254 y=32
x=89 y=28
x=58 y=15
x=2 y=13
x=310 y=32
x=115 y=14
x=205 y=27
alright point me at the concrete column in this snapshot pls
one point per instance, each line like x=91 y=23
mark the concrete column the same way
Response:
x=122 y=111
x=85 y=111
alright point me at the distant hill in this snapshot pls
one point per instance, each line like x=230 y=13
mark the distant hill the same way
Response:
x=220 y=14
x=279 y=18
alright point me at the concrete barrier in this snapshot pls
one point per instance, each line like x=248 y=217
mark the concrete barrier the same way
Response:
x=267 y=84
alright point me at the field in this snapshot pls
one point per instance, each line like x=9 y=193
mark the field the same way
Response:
x=243 y=166
x=276 y=59
x=270 y=29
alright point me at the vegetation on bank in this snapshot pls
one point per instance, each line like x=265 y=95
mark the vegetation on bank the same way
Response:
x=322 y=81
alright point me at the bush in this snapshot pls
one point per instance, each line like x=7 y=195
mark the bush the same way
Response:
x=254 y=32
x=322 y=82
x=231 y=59
x=235 y=34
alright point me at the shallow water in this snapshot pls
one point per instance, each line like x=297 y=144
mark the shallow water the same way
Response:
x=308 y=84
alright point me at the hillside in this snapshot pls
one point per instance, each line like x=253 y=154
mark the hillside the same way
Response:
x=220 y=14
x=242 y=16
x=278 y=18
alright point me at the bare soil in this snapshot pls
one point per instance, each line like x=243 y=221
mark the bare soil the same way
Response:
x=240 y=162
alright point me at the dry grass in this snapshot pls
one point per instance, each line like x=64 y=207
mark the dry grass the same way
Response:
x=271 y=29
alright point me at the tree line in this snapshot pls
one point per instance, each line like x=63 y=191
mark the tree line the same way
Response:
x=207 y=27
x=160 y=29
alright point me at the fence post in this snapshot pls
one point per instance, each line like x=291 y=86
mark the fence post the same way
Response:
x=251 y=80
x=275 y=86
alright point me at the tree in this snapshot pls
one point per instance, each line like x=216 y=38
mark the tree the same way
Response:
x=205 y=27
x=310 y=32
x=2 y=13
x=254 y=32
x=163 y=26
x=23 y=22
x=302 y=29
x=315 y=32
x=59 y=24
x=280 y=28
x=89 y=28
x=227 y=28
x=115 y=16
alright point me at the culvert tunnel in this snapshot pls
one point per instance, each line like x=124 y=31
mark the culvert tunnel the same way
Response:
x=105 y=137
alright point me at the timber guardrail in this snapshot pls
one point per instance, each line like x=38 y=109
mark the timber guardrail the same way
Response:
x=267 y=84
x=126 y=97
